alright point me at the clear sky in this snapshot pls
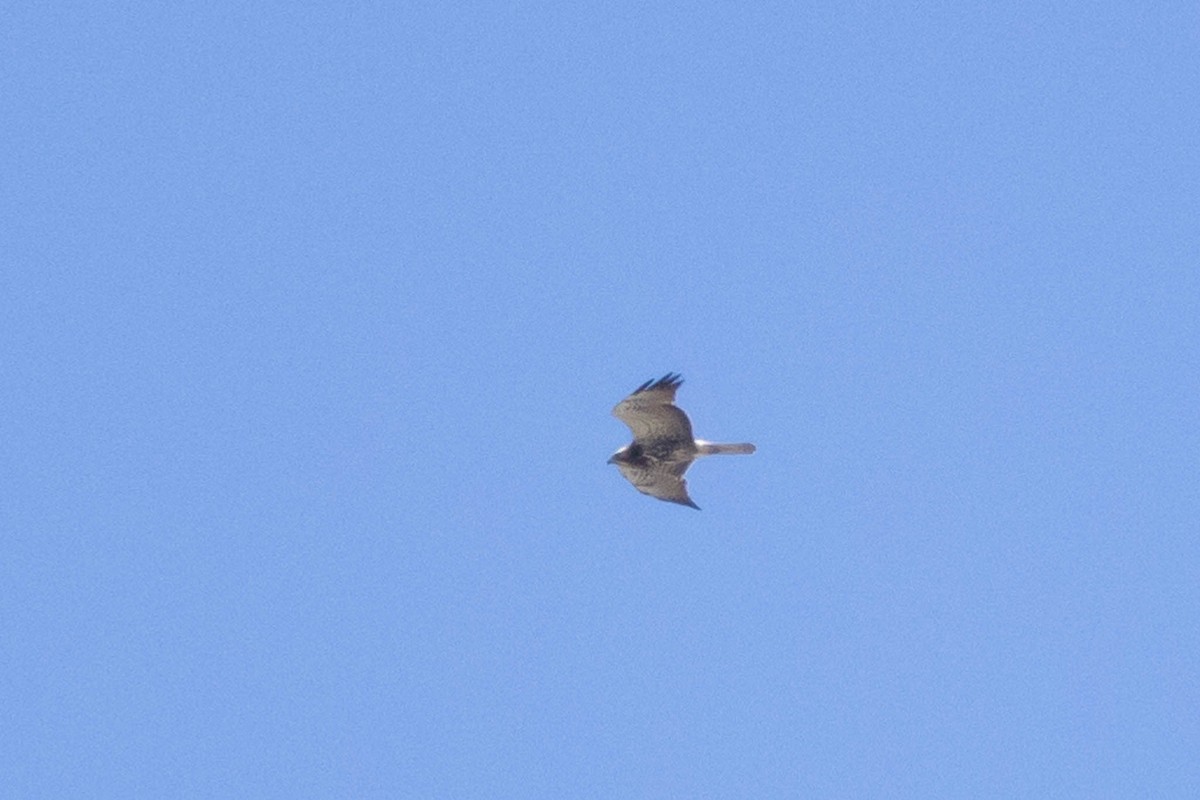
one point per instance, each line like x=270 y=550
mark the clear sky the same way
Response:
x=313 y=316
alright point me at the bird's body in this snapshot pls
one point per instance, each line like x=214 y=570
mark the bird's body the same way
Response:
x=663 y=446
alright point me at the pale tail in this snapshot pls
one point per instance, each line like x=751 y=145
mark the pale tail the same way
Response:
x=714 y=449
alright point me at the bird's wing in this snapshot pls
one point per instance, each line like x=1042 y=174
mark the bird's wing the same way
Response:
x=651 y=413
x=662 y=482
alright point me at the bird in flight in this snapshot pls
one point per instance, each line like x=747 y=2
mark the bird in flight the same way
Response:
x=662 y=448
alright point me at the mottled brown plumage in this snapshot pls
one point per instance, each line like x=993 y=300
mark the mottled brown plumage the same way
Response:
x=663 y=446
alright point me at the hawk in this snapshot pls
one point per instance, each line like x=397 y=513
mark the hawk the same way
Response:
x=662 y=448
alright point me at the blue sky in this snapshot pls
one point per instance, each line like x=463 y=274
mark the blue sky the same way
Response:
x=313 y=317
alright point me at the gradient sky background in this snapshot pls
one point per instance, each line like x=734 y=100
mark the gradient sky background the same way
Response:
x=313 y=317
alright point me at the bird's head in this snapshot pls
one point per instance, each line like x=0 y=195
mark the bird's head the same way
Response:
x=619 y=456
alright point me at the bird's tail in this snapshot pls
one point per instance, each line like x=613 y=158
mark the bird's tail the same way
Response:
x=714 y=449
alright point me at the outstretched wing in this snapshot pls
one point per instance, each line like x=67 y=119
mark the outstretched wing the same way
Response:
x=661 y=481
x=651 y=413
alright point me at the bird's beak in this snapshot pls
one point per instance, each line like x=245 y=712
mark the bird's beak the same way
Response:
x=610 y=460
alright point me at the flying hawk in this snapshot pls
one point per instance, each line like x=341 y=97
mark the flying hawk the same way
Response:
x=662 y=448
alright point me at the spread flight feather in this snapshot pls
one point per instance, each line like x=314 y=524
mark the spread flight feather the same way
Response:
x=663 y=446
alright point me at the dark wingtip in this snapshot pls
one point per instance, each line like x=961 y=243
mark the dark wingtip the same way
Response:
x=672 y=380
